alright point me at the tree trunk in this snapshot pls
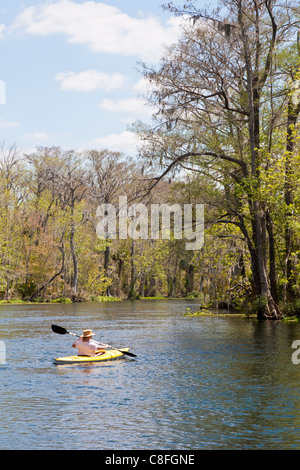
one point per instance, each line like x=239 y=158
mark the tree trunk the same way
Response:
x=272 y=258
x=132 y=293
x=189 y=280
x=106 y=263
x=269 y=309
x=74 y=282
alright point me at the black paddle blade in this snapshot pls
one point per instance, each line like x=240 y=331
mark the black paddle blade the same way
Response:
x=59 y=329
x=129 y=353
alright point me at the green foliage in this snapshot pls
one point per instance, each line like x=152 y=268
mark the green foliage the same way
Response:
x=292 y=309
x=61 y=300
x=26 y=289
x=102 y=298
x=257 y=306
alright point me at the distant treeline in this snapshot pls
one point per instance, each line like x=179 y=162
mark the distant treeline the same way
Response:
x=49 y=247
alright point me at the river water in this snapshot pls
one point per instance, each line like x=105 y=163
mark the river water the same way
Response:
x=197 y=382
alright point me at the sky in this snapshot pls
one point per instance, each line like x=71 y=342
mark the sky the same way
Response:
x=69 y=74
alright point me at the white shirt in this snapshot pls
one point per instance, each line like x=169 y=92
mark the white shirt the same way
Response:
x=87 y=348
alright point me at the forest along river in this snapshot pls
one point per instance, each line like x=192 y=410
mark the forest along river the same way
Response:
x=197 y=382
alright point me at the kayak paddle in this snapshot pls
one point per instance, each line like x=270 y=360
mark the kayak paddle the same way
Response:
x=62 y=331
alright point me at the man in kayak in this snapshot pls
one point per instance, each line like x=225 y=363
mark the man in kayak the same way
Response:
x=87 y=346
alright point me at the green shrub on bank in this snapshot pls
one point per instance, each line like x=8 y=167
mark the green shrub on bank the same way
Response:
x=291 y=309
x=61 y=300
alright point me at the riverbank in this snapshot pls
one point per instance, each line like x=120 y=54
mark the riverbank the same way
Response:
x=219 y=313
x=63 y=300
x=66 y=300
x=236 y=314
x=289 y=314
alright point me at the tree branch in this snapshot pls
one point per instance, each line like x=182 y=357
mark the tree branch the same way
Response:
x=196 y=154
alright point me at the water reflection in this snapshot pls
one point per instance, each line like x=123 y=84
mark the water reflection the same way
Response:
x=197 y=383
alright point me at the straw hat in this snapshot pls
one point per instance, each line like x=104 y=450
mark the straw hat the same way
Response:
x=88 y=333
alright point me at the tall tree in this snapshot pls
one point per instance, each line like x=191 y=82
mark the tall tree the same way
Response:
x=64 y=176
x=293 y=111
x=110 y=175
x=212 y=89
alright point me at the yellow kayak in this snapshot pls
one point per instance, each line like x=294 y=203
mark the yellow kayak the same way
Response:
x=108 y=355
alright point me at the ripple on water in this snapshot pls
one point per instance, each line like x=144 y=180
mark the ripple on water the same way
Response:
x=198 y=383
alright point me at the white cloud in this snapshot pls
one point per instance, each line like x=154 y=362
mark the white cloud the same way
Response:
x=103 y=28
x=142 y=86
x=2 y=28
x=90 y=80
x=36 y=136
x=126 y=142
x=8 y=124
x=133 y=106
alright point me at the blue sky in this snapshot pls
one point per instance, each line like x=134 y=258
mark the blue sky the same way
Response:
x=69 y=70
